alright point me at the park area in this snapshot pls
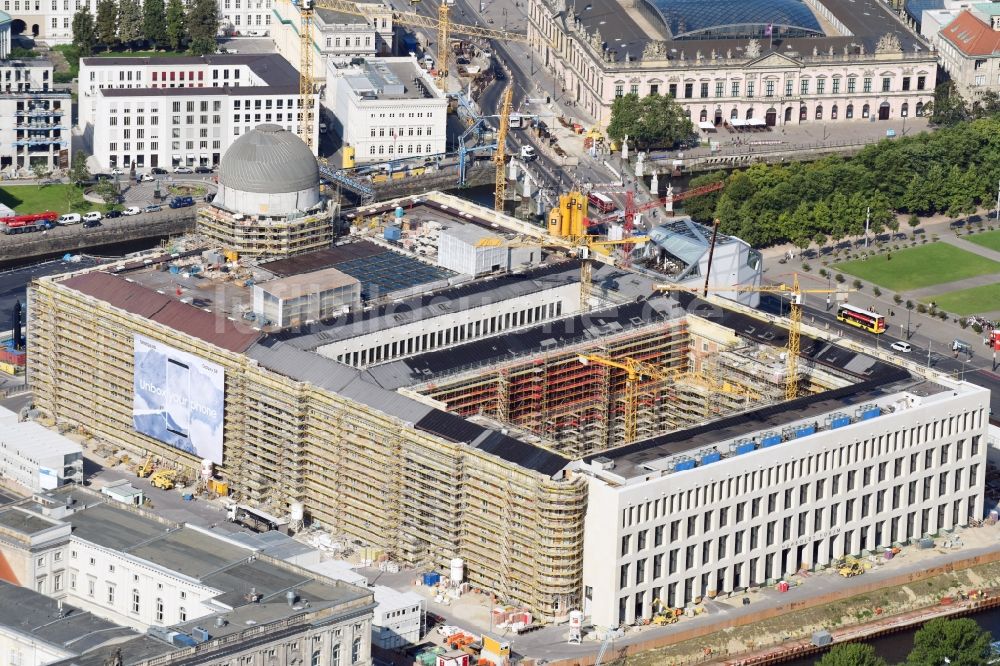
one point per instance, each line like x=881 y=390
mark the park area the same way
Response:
x=919 y=267
x=58 y=197
x=964 y=302
x=989 y=240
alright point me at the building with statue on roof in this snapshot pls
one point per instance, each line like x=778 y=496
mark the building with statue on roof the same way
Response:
x=756 y=63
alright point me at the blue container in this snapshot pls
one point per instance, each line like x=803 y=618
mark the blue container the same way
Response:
x=175 y=270
x=805 y=430
x=870 y=414
x=744 y=448
x=840 y=422
x=712 y=457
x=432 y=578
x=681 y=466
x=393 y=233
x=770 y=440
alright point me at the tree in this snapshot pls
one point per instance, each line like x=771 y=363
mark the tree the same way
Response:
x=154 y=23
x=948 y=108
x=202 y=26
x=108 y=191
x=84 y=32
x=175 y=24
x=654 y=121
x=701 y=208
x=914 y=222
x=79 y=171
x=130 y=22
x=959 y=642
x=106 y=23
x=851 y=654
x=40 y=171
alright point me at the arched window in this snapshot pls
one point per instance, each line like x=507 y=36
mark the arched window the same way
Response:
x=704 y=116
x=904 y=110
x=356 y=651
x=315 y=658
x=749 y=113
x=734 y=114
x=833 y=112
x=920 y=108
x=803 y=113
x=850 y=111
x=865 y=111
x=819 y=112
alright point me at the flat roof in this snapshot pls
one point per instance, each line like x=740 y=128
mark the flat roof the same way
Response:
x=19 y=520
x=302 y=284
x=272 y=68
x=114 y=527
x=33 y=439
x=389 y=79
x=33 y=614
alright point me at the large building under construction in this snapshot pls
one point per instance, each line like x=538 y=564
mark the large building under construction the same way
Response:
x=597 y=448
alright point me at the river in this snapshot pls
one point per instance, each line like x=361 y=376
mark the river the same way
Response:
x=895 y=647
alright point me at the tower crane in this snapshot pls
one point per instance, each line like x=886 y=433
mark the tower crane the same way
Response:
x=795 y=293
x=634 y=371
x=500 y=155
x=441 y=24
x=632 y=209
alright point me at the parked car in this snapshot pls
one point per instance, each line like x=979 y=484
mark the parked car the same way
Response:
x=103 y=176
x=183 y=169
x=70 y=218
x=91 y=223
x=901 y=346
x=152 y=208
x=87 y=182
x=117 y=172
x=203 y=169
x=158 y=171
x=146 y=177
x=181 y=202
x=111 y=214
x=93 y=216
x=131 y=210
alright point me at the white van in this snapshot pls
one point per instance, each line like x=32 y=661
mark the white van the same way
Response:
x=70 y=218
x=528 y=153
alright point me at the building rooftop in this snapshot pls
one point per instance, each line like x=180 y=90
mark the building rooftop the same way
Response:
x=21 y=521
x=333 y=17
x=972 y=36
x=33 y=439
x=390 y=78
x=302 y=284
x=697 y=18
x=63 y=626
x=270 y=160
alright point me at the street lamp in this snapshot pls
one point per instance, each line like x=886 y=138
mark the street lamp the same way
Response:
x=908 y=311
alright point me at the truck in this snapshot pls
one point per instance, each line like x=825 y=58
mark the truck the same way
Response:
x=528 y=153
x=21 y=224
x=253 y=518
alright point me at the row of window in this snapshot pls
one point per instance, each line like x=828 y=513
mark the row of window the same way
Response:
x=392 y=149
x=402 y=114
x=403 y=131
x=748 y=572
x=856 y=453
x=236 y=4
x=77 y=5
x=770 y=87
x=719 y=518
x=334 y=42
x=866 y=112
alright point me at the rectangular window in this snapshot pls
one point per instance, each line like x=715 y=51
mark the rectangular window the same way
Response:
x=867 y=85
x=788 y=88
x=619 y=89
x=736 y=89
x=886 y=84
x=704 y=89
x=750 y=88
x=804 y=87
x=769 y=88
x=852 y=84
x=906 y=83
x=836 y=86
x=688 y=90
x=820 y=86
x=921 y=82
x=720 y=88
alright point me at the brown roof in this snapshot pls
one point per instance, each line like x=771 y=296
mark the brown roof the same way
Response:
x=971 y=36
x=119 y=292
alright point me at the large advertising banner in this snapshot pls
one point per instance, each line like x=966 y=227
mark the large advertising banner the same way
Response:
x=179 y=399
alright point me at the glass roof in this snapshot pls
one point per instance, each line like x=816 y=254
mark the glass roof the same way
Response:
x=916 y=8
x=694 y=19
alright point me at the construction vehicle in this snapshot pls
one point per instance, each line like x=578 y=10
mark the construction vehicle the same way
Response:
x=164 y=479
x=442 y=24
x=500 y=155
x=662 y=615
x=851 y=569
x=795 y=293
x=145 y=469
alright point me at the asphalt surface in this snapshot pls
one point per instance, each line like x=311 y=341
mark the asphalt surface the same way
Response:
x=14 y=284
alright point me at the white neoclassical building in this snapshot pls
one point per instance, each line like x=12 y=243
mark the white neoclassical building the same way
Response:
x=778 y=62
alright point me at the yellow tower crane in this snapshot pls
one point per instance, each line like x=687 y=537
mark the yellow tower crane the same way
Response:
x=441 y=24
x=500 y=156
x=634 y=371
x=795 y=293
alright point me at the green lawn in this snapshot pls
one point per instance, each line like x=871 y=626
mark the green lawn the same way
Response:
x=976 y=300
x=917 y=267
x=25 y=199
x=991 y=240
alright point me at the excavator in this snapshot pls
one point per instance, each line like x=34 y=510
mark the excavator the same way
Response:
x=145 y=469
x=163 y=479
x=662 y=615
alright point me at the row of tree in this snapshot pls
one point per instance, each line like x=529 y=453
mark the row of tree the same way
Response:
x=153 y=24
x=654 y=121
x=953 y=170
x=941 y=641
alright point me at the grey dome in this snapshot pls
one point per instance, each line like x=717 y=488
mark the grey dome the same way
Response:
x=270 y=160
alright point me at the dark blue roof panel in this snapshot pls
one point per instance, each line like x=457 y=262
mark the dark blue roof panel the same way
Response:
x=916 y=8
x=715 y=18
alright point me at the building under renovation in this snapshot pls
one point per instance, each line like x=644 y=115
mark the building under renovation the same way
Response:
x=514 y=419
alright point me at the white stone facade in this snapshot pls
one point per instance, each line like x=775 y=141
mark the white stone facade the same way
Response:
x=748 y=519
x=52 y=20
x=383 y=126
x=718 y=86
x=163 y=112
x=968 y=47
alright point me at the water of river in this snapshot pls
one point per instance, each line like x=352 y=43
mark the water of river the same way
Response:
x=895 y=647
